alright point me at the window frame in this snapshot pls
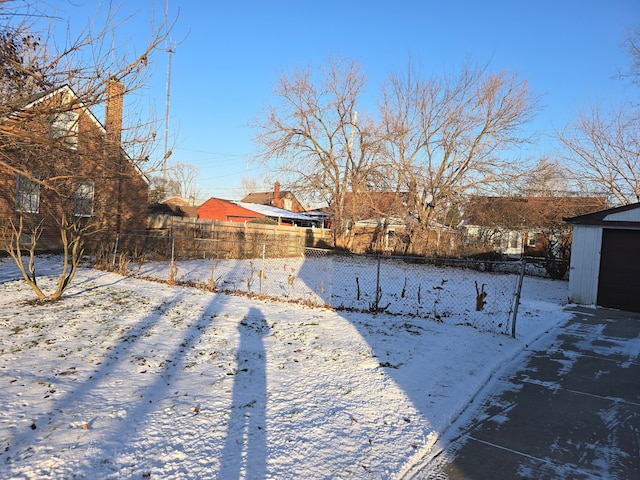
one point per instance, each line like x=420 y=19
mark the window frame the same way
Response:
x=64 y=126
x=27 y=195
x=83 y=205
x=390 y=238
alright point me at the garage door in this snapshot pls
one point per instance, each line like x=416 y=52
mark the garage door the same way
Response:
x=619 y=283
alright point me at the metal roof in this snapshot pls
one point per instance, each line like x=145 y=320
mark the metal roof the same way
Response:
x=269 y=211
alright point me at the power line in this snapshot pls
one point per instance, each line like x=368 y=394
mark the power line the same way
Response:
x=214 y=153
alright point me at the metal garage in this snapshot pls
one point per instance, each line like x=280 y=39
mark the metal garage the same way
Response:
x=605 y=258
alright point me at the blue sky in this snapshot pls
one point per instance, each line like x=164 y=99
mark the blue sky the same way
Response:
x=229 y=55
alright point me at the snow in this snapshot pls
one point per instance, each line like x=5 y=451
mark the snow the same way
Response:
x=131 y=378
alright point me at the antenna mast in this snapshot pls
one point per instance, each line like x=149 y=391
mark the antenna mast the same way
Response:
x=170 y=50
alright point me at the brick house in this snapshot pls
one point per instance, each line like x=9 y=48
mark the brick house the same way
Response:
x=70 y=166
x=521 y=225
x=284 y=199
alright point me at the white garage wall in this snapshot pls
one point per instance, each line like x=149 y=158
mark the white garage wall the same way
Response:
x=585 y=264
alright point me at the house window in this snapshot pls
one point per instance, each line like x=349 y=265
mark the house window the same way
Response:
x=514 y=240
x=27 y=196
x=390 y=239
x=496 y=239
x=64 y=127
x=84 y=199
x=532 y=240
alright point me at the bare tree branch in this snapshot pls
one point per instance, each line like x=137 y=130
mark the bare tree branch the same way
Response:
x=44 y=79
x=605 y=149
x=445 y=136
x=306 y=136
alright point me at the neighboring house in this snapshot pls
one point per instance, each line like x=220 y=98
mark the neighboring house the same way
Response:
x=282 y=216
x=521 y=225
x=379 y=221
x=604 y=258
x=320 y=217
x=379 y=233
x=366 y=205
x=94 y=178
x=225 y=211
x=229 y=211
x=285 y=199
x=175 y=207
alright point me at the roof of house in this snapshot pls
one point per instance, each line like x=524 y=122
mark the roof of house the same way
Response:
x=527 y=212
x=181 y=207
x=624 y=216
x=25 y=103
x=37 y=98
x=389 y=222
x=220 y=209
x=273 y=212
x=368 y=204
x=267 y=198
x=263 y=198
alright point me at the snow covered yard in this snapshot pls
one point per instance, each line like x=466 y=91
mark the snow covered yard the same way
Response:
x=404 y=285
x=126 y=378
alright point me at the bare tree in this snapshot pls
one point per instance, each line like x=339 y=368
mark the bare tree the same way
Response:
x=251 y=185
x=446 y=136
x=35 y=67
x=162 y=187
x=605 y=148
x=184 y=175
x=604 y=145
x=632 y=47
x=178 y=181
x=315 y=140
x=546 y=178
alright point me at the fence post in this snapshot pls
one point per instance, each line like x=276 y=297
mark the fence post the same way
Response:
x=261 y=273
x=516 y=300
x=115 y=250
x=378 y=295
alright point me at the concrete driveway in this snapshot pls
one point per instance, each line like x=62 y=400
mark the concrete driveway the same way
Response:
x=571 y=410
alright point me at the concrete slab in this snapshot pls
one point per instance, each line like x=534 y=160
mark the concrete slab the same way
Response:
x=570 y=410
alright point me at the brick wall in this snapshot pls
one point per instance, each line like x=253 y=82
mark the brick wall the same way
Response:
x=120 y=191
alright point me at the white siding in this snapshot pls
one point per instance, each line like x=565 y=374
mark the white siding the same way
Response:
x=585 y=264
x=632 y=215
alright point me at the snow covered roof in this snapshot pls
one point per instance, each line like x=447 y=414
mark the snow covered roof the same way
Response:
x=274 y=212
x=393 y=221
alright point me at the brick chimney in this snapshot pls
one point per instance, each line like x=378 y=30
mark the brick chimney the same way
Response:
x=113 y=127
x=276 y=194
x=113 y=112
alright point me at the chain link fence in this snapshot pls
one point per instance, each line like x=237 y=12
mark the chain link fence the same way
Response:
x=478 y=293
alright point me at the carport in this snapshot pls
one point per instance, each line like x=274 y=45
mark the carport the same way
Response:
x=605 y=258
